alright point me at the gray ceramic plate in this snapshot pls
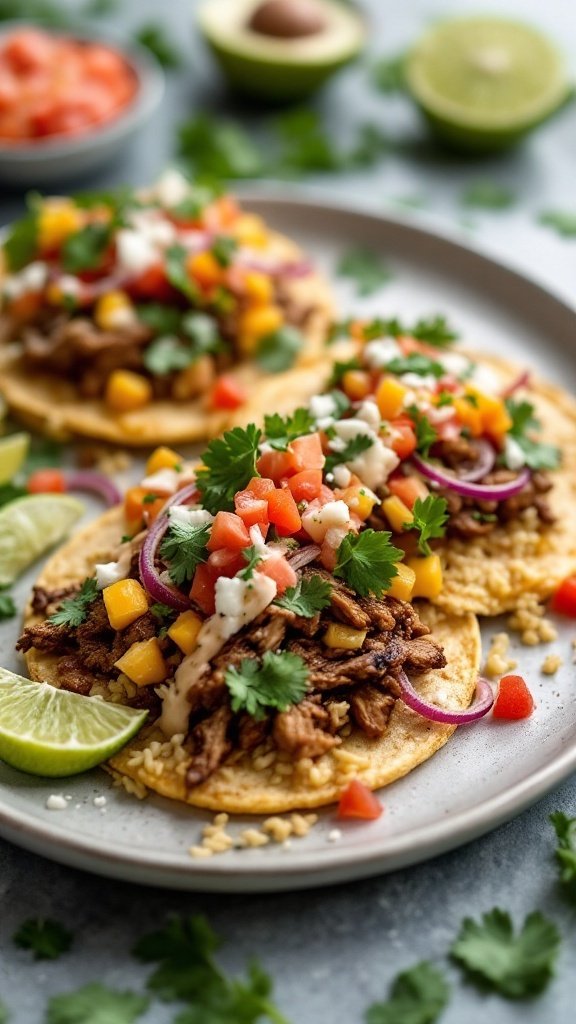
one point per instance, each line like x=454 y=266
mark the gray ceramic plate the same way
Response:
x=486 y=774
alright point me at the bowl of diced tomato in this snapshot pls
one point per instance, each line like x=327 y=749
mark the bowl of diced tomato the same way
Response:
x=69 y=103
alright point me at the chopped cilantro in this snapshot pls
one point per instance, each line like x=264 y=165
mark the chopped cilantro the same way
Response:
x=183 y=548
x=177 y=274
x=43 y=452
x=516 y=966
x=218 y=149
x=365 y=268
x=389 y=73
x=153 y=37
x=22 y=240
x=253 y=558
x=161 y=611
x=429 y=518
x=367 y=562
x=415 y=363
x=85 y=248
x=484 y=517
x=278 y=351
x=279 y=681
x=280 y=430
x=305 y=145
x=229 y=463
x=488 y=194
x=341 y=368
x=355 y=446
x=446 y=398
x=96 y=1004
x=426 y=436
x=309 y=596
x=9 y=492
x=160 y=318
x=45 y=938
x=7 y=607
x=434 y=330
x=223 y=249
x=168 y=353
x=411 y=202
x=563 y=222
x=417 y=996
x=371 y=144
x=74 y=610
x=195 y=202
x=537 y=454
x=565 y=852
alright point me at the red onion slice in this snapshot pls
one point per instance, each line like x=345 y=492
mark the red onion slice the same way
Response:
x=95 y=483
x=275 y=267
x=303 y=556
x=149 y=574
x=484 y=463
x=522 y=381
x=489 y=492
x=480 y=707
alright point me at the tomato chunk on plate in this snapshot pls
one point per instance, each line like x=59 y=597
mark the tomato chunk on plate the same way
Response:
x=564 y=600
x=514 y=699
x=357 y=801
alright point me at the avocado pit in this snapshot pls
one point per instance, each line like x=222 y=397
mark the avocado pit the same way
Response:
x=288 y=19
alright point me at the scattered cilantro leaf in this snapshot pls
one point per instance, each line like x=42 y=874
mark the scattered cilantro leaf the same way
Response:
x=389 y=73
x=563 y=222
x=447 y=398
x=43 y=11
x=74 y=610
x=278 y=351
x=160 y=318
x=280 y=430
x=371 y=144
x=153 y=37
x=310 y=595
x=183 y=548
x=167 y=354
x=365 y=268
x=434 y=330
x=277 y=682
x=223 y=249
x=202 y=329
x=305 y=145
x=9 y=492
x=516 y=966
x=7 y=607
x=241 y=1002
x=177 y=274
x=367 y=562
x=253 y=558
x=488 y=194
x=341 y=368
x=21 y=241
x=45 y=938
x=429 y=518
x=162 y=611
x=195 y=202
x=355 y=446
x=426 y=436
x=96 y=1004
x=219 y=149
x=417 y=996
x=229 y=463
x=537 y=454
x=415 y=363
x=565 y=852
x=85 y=248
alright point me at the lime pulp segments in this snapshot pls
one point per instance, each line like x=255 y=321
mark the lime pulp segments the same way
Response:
x=13 y=451
x=31 y=525
x=55 y=733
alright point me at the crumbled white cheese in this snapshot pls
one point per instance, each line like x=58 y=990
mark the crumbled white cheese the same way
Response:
x=56 y=802
x=369 y=413
x=334 y=835
x=257 y=541
x=70 y=285
x=341 y=476
x=380 y=352
x=189 y=516
x=154 y=226
x=30 y=279
x=323 y=408
x=108 y=573
x=455 y=363
x=485 y=379
x=419 y=381
x=135 y=251
x=171 y=188
x=513 y=455
x=373 y=465
x=166 y=480
x=317 y=521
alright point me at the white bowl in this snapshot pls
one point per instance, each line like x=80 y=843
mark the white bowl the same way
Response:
x=57 y=158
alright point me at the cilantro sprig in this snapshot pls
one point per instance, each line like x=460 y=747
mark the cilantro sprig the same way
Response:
x=367 y=562
x=279 y=681
x=73 y=611
x=417 y=363
x=177 y=274
x=565 y=852
x=7 y=607
x=434 y=330
x=429 y=518
x=94 y=1004
x=310 y=595
x=278 y=351
x=417 y=996
x=253 y=557
x=84 y=250
x=426 y=436
x=352 y=450
x=537 y=454
x=228 y=465
x=45 y=938
x=153 y=37
x=366 y=268
x=280 y=430
x=183 y=548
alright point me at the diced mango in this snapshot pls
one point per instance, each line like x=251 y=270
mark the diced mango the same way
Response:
x=255 y=323
x=428 y=581
x=469 y=415
x=143 y=663
x=125 y=602
x=356 y=384
x=403 y=584
x=259 y=288
x=397 y=513
x=127 y=391
x=114 y=311
x=344 y=638
x=359 y=500
x=496 y=419
x=390 y=395
x=184 y=631
x=162 y=458
x=205 y=269
x=57 y=220
x=250 y=230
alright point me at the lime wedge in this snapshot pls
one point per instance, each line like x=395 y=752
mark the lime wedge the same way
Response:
x=484 y=82
x=13 y=451
x=31 y=525
x=46 y=731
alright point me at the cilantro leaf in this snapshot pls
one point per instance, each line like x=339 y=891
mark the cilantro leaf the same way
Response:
x=9 y=492
x=21 y=241
x=7 y=607
x=177 y=274
x=417 y=996
x=279 y=681
x=153 y=37
x=162 y=611
x=565 y=852
x=415 y=363
x=305 y=145
x=488 y=194
x=74 y=610
x=537 y=454
x=253 y=558
x=184 y=950
x=389 y=74
x=183 y=548
x=160 y=318
x=235 y=1001
x=367 y=562
x=365 y=268
x=229 y=463
x=85 y=248
x=167 y=354
x=219 y=149
x=563 y=222
x=355 y=446
x=278 y=351
x=429 y=517
x=96 y=1004
x=223 y=249
x=340 y=368
x=426 y=436
x=309 y=596
x=45 y=938
x=280 y=430
x=516 y=966
x=434 y=330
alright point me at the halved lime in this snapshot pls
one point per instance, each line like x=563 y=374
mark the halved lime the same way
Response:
x=46 y=731
x=484 y=82
x=13 y=451
x=31 y=525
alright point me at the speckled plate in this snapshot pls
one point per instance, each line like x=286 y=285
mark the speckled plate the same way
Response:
x=486 y=774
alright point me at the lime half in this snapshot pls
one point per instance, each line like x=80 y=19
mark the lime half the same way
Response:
x=31 y=525
x=484 y=82
x=13 y=451
x=46 y=731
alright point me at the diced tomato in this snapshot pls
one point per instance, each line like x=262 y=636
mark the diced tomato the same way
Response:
x=408 y=345
x=405 y=441
x=514 y=699
x=279 y=570
x=357 y=801
x=250 y=508
x=46 y=481
x=225 y=562
x=28 y=50
x=261 y=487
x=152 y=284
x=283 y=512
x=564 y=600
x=408 y=488
x=228 y=531
x=222 y=213
x=152 y=509
x=228 y=393
x=202 y=591
x=277 y=465
x=307 y=451
x=306 y=485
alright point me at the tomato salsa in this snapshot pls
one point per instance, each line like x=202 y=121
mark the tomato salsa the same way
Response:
x=53 y=85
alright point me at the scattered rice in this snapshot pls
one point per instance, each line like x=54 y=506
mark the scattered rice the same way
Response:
x=529 y=621
x=497 y=664
x=551 y=664
x=132 y=786
x=277 y=829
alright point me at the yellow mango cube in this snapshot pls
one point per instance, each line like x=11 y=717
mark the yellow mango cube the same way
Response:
x=261 y=320
x=390 y=395
x=496 y=419
x=251 y=230
x=428 y=581
x=125 y=602
x=403 y=583
x=205 y=269
x=143 y=663
x=397 y=513
x=359 y=500
x=57 y=220
x=184 y=631
x=344 y=638
x=356 y=384
x=114 y=311
x=127 y=391
x=259 y=288
x=469 y=415
x=162 y=458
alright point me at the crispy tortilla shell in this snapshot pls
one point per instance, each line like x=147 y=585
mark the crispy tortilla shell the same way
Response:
x=237 y=786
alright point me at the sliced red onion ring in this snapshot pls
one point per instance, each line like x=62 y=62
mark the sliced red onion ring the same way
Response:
x=303 y=556
x=96 y=483
x=480 y=707
x=484 y=463
x=276 y=268
x=522 y=381
x=149 y=574
x=489 y=492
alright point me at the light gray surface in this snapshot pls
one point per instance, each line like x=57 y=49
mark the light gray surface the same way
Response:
x=334 y=951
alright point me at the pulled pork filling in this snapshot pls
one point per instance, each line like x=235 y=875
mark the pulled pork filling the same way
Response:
x=366 y=678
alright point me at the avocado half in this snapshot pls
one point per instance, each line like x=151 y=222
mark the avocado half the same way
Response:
x=279 y=69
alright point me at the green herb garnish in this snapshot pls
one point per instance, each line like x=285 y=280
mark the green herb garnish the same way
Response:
x=426 y=436
x=365 y=268
x=565 y=852
x=355 y=446
x=223 y=249
x=489 y=195
x=73 y=611
x=45 y=938
x=177 y=273
x=229 y=463
x=218 y=149
x=389 y=74
x=153 y=37
x=278 y=351
x=310 y=595
x=277 y=682
x=96 y=1004
x=367 y=562
x=7 y=607
x=253 y=558
x=85 y=249
x=537 y=454
x=280 y=430
x=563 y=222
x=429 y=518
x=415 y=363
x=417 y=996
x=184 y=548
